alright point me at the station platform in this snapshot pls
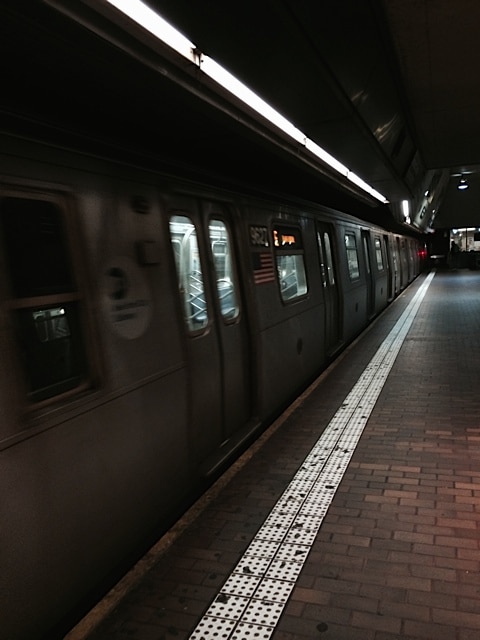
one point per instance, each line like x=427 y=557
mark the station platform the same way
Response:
x=355 y=516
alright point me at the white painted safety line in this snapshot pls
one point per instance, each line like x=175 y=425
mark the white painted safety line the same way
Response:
x=252 y=599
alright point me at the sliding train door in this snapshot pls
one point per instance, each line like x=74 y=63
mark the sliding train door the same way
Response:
x=217 y=337
x=230 y=320
x=326 y=249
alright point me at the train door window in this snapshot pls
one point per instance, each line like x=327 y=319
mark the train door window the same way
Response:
x=290 y=262
x=401 y=262
x=395 y=260
x=352 y=256
x=189 y=272
x=329 y=259
x=379 y=254
x=323 y=266
x=326 y=259
x=222 y=260
x=366 y=249
x=44 y=296
x=389 y=266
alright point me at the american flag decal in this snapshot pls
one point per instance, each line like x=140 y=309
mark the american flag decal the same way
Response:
x=263 y=268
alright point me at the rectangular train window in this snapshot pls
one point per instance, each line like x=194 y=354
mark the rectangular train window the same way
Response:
x=366 y=250
x=352 y=256
x=290 y=262
x=326 y=259
x=189 y=272
x=222 y=259
x=329 y=259
x=379 y=254
x=44 y=296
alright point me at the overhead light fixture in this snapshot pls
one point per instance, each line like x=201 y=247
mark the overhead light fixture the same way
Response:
x=140 y=13
x=462 y=184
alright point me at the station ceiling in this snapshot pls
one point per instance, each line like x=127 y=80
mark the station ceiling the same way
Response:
x=387 y=87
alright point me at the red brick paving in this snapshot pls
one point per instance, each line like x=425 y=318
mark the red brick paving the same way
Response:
x=398 y=553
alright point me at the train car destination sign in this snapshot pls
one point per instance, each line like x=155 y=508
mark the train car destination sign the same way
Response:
x=287 y=238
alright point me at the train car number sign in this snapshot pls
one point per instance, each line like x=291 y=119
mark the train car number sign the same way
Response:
x=259 y=236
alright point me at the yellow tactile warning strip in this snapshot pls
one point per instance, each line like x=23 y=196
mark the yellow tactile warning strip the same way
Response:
x=253 y=597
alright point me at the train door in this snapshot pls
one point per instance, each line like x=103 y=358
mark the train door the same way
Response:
x=217 y=335
x=370 y=279
x=230 y=322
x=333 y=332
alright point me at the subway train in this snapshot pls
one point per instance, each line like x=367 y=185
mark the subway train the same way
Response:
x=151 y=327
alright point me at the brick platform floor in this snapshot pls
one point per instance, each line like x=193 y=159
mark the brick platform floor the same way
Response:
x=397 y=555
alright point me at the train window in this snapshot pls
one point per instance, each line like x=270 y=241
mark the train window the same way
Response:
x=222 y=259
x=290 y=262
x=352 y=256
x=45 y=300
x=379 y=254
x=326 y=259
x=366 y=249
x=329 y=259
x=323 y=269
x=50 y=343
x=189 y=271
x=35 y=247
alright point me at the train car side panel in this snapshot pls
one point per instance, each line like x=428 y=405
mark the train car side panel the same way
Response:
x=78 y=497
x=288 y=295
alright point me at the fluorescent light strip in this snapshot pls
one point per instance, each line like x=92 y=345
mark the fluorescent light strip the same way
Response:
x=314 y=148
x=224 y=78
x=156 y=25
x=161 y=29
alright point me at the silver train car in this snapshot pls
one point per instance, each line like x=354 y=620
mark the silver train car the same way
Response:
x=150 y=327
